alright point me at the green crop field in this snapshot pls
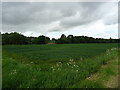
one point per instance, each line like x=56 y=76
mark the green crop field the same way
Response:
x=56 y=52
x=56 y=66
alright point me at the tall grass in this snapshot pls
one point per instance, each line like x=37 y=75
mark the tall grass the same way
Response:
x=59 y=75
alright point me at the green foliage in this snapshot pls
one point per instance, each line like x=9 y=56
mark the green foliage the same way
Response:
x=41 y=40
x=29 y=74
x=83 y=39
x=17 y=39
x=13 y=38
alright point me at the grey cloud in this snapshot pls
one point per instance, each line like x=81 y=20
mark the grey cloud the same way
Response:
x=112 y=16
x=88 y=12
x=25 y=16
x=111 y=20
x=54 y=30
x=43 y=13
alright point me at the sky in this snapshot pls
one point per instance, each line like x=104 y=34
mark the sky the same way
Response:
x=94 y=19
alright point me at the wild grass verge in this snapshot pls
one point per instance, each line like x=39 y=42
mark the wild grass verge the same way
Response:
x=60 y=75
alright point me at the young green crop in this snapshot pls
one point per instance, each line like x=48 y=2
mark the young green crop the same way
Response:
x=54 y=73
x=54 y=53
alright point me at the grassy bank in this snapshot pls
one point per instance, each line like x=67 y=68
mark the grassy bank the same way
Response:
x=58 y=75
x=106 y=77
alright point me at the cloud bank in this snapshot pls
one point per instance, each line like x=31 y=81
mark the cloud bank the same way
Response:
x=96 y=19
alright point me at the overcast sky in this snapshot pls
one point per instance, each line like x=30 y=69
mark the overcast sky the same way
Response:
x=94 y=19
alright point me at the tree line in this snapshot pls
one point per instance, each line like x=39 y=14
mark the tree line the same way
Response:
x=18 y=39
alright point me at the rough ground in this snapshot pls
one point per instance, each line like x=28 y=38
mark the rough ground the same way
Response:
x=108 y=80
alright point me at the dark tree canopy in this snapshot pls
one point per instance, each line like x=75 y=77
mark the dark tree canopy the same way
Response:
x=13 y=38
x=17 y=39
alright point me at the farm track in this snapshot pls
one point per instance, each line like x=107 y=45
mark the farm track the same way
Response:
x=107 y=81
